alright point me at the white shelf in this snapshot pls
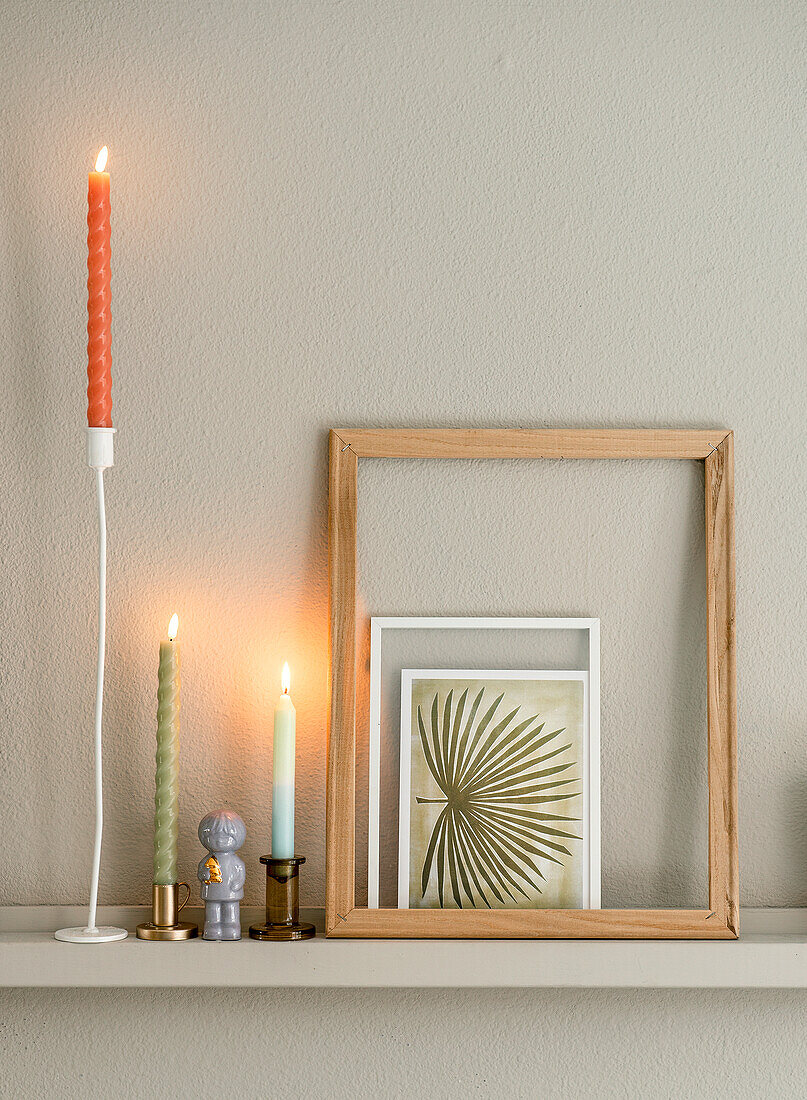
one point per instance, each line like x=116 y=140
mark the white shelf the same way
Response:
x=771 y=953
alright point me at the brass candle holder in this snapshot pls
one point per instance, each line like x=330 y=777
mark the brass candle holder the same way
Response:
x=164 y=924
x=282 y=902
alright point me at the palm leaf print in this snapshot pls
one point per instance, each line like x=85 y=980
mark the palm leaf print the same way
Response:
x=502 y=782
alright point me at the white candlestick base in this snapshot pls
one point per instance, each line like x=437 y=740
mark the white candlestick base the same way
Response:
x=91 y=935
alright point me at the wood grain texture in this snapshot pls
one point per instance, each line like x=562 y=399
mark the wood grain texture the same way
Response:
x=664 y=924
x=531 y=443
x=721 y=920
x=722 y=684
x=340 y=841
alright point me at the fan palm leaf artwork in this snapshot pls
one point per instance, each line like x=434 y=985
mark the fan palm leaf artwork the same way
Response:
x=498 y=804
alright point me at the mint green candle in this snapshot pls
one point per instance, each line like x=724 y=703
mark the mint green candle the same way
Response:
x=166 y=796
x=283 y=743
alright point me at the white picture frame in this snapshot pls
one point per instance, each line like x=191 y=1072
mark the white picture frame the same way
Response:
x=591 y=777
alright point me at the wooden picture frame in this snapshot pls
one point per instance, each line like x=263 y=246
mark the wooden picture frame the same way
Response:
x=716 y=450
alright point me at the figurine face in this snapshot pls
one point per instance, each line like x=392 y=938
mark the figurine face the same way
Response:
x=222 y=832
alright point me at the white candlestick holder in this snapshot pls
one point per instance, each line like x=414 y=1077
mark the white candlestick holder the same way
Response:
x=99 y=457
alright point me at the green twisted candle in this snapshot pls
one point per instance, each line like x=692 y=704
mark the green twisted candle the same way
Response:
x=166 y=797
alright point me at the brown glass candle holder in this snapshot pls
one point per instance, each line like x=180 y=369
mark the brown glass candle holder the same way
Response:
x=282 y=902
x=164 y=923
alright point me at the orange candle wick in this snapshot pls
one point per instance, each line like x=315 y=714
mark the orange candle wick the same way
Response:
x=99 y=298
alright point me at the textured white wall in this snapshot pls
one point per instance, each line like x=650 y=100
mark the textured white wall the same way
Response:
x=419 y=213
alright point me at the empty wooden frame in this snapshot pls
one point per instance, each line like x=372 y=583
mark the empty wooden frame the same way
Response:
x=715 y=449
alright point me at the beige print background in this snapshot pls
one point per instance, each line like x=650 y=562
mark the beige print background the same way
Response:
x=560 y=705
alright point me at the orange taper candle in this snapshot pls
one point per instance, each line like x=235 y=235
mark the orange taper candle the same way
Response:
x=99 y=299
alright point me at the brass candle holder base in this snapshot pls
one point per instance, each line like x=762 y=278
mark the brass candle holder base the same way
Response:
x=164 y=912
x=282 y=902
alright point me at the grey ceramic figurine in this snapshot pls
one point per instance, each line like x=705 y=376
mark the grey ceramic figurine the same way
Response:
x=222 y=874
